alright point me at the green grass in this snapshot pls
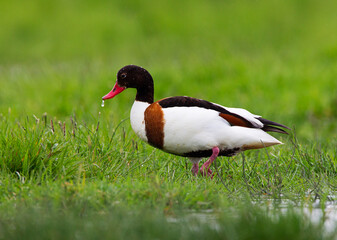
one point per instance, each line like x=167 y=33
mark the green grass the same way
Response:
x=72 y=169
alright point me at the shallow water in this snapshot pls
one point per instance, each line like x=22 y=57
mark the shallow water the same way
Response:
x=318 y=215
x=328 y=215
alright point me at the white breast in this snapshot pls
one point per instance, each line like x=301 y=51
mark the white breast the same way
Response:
x=137 y=119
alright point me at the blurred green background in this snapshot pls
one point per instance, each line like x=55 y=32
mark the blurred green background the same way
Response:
x=274 y=58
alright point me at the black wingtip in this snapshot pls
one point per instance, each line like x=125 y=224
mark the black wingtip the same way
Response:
x=269 y=126
x=274 y=129
x=268 y=122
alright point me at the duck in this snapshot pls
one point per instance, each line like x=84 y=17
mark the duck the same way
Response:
x=192 y=127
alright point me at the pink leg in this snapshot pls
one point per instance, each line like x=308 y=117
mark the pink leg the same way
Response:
x=205 y=171
x=195 y=168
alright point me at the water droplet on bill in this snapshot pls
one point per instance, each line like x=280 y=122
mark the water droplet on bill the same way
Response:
x=102 y=105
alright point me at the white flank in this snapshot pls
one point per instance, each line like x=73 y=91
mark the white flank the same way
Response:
x=190 y=129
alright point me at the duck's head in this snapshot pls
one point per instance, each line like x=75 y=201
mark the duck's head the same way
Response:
x=132 y=76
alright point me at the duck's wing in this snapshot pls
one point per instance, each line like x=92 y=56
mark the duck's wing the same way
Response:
x=234 y=116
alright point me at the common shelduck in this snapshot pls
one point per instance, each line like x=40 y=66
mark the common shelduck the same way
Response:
x=191 y=127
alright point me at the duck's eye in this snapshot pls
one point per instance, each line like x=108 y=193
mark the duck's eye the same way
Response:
x=123 y=75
